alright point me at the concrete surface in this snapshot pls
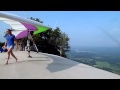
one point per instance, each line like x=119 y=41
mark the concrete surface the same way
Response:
x=46 y=66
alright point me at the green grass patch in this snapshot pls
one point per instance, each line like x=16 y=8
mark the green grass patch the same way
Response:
x=102 y=64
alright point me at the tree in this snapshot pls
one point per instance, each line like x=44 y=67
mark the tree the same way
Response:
x=36 y=19
x=60 y=40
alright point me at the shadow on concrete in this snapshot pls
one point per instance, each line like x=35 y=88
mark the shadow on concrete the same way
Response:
x=60 y=63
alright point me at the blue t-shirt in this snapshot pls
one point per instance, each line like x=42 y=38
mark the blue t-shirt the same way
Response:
x=10 y=39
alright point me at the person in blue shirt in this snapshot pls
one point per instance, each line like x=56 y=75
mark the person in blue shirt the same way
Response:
x=10 y=38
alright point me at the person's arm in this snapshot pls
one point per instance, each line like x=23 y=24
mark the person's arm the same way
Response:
x=32 y=41
x=5 y=44
x=31 y=38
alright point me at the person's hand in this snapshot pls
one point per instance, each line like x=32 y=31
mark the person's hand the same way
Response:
x=4 y=47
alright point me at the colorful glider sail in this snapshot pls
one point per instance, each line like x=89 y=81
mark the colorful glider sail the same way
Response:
x=21 y=26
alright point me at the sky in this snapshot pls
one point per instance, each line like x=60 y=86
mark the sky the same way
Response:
x=84 y=28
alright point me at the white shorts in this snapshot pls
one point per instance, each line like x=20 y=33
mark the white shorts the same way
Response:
x=12 y=47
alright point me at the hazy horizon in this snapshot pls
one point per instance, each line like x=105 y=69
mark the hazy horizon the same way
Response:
x=84 y=28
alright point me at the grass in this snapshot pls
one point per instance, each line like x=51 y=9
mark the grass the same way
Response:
x=107 y=66
x=102 y=64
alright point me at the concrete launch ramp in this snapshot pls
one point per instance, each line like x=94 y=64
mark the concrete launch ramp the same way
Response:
x=46 y=66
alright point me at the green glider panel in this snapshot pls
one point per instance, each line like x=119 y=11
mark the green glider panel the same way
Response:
x=40 y=29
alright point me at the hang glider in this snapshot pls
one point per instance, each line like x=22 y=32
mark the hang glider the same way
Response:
x=21 y=26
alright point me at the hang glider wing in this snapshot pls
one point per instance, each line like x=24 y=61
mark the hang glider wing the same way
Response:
x=21 y=19
x=20 y=25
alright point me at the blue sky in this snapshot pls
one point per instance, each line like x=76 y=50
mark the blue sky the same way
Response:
x=84 y=28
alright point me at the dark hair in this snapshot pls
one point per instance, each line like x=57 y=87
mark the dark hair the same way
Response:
x=9 y=30
x=31 y=32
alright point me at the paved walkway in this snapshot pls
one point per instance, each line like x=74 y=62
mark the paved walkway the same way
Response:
x=44 y=66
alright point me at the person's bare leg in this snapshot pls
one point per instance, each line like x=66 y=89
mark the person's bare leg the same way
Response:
x=28 y=53
x=8 y=57
x=13 y=55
